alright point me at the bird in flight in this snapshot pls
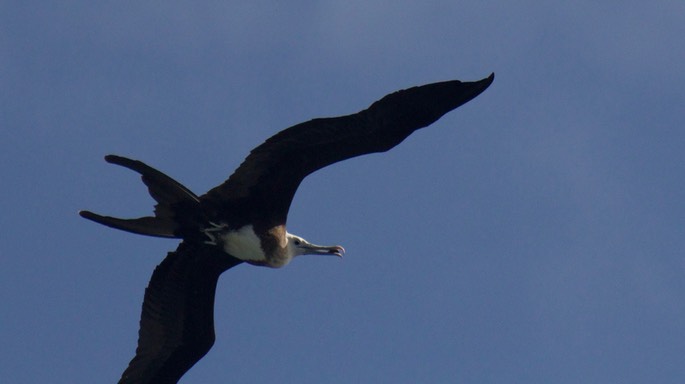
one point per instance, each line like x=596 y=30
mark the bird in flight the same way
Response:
x=244 y=219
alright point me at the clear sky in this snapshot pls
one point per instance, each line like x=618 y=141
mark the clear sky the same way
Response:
x=534 y=235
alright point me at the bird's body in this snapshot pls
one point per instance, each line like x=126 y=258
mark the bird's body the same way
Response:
x=246 y=245
x=244 y=219
x=274 y=247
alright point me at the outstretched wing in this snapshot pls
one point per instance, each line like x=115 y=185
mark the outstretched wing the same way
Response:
x=177 y=322
x=270 y=175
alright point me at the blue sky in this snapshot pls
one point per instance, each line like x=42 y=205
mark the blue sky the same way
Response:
x=534 y=235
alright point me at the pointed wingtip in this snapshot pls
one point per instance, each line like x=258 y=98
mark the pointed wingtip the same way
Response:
x=479 y=86
x=488 y=80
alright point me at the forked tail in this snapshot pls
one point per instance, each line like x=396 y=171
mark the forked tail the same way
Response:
x=177 y=211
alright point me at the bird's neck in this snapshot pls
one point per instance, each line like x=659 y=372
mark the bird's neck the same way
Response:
x=268 y=247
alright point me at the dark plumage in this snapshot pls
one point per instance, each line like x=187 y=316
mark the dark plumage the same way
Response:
x=244 y=218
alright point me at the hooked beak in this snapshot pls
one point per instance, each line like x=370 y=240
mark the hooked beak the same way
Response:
x=312 y=249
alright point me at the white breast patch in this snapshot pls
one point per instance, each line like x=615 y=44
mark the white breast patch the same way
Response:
x=243 y=244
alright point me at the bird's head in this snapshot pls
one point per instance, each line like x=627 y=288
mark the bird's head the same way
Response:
x=298 y=246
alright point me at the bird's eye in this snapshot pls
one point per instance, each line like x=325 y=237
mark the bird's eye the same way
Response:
x=297 y=242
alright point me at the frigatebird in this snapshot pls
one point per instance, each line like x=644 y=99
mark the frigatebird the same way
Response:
x=244 y=219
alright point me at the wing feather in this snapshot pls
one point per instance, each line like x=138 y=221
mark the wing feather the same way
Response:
x=177 y=320
x=271 y=174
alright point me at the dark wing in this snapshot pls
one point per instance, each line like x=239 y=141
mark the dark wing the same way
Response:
x=177 y=322
x=270 y=175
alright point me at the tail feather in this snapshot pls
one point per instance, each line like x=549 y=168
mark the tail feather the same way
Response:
x=150 y=226
x=176 y=210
